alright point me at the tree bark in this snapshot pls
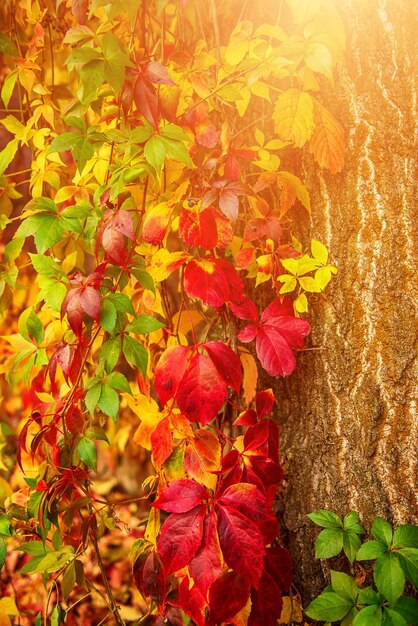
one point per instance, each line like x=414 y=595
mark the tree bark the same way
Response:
x=348 y=415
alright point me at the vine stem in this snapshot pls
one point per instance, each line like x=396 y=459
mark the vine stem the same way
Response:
x=109 y=593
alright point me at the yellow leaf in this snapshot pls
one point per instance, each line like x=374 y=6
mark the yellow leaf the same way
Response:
x=304 y=11
x=237 y=48
x=319 y=251
x=291 y=611
x=8 y=606
x=293 y=116
x=327 y=142
x=153 y=526
x=261 y=90
x=164 y=263
x=319 y=59
x=301 y=303
x=310 y=284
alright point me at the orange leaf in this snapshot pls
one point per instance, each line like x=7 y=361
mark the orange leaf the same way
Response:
x=327 y=142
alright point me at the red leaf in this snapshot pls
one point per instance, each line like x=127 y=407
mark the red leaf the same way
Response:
x=157 y=74
x=256 y=436
x=181 y=496
x=180 y=538
x=278 y=308
x=76 y=303
x=90 y=302
x=161 y=442
x=206 y=566
x=245 y=309
x=225 y=232
x=228 y=595
x=206 y=134
x=169 y=372
x=154 y=582
x=248 y=333
x=249 y=501
x=242 y=544
x=205 y=280
x=191 y=601
x=229 y=204
x=201 y=391
x=245 y=257
x=112 y=235
x=262 y=227
x=274 y=352
x=146 y=100
x=278 y=562
x=74 y=420
x=198 y=229
x=279 y=332
x=264 y=402
x=266 y=603
x=246 y=418
x=226 y=362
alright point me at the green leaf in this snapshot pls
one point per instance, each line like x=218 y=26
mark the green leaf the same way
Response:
x=351 y=544
x=328 y=607
x=408 y=558
x=92 y=397
x=140 y=134
x=6 y=45
x=172 y=131
x=118 y=381
x=351 y=522
x=389 y=577
x=344 y=585
x=110 y=352
x=408 y=608
x=382 y=531
x=406 y=536
x=135 y=354
x=5 y=528
x=121 y=302
x=154 y=152
x=3 y=552
x=368 y=596
x=54 y=560
x=8 y=88
x=115 y=61
x=392 y=617
x=82 y=55
x=13 y=249
x=370 y=550
x=57 y=616
x=326 y=519
x=369 y=616
x=144 y=324
x=63 y=142
x=177 y=151
x=109 y=401
x=7 y=155
x=96 y=432
x=329 y=543
x=48 y=232
x=82 y=152
x=87 y=451
x=29 y=325
x=68 y=581
x=107 y=316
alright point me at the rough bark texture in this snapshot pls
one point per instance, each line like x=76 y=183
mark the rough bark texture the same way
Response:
x=348 y=416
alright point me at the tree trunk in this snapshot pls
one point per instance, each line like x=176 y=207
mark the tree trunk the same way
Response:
x=348 y=415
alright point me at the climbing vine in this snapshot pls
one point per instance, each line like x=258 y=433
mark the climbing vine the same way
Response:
x=148 y=205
